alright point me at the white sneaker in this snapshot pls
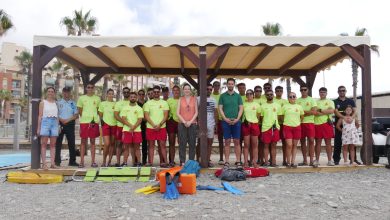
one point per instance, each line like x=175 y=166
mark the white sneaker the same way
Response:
x=330 y=163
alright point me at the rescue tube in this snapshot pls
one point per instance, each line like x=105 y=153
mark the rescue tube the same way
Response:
x=33 y=178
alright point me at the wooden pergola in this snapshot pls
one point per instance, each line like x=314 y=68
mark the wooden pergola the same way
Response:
x=204 y=59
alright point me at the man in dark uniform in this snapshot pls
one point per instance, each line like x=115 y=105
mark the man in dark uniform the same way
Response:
x=340 y=104
x=67 y=114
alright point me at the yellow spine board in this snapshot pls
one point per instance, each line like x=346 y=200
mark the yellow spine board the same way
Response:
x=33 y=178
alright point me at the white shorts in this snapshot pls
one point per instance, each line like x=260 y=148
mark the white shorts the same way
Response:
x=210 y=131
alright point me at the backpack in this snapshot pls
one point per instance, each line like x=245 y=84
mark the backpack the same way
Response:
x=233 y=174
x=191 y=166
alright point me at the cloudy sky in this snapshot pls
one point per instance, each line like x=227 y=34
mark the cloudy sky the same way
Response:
x=224 y=17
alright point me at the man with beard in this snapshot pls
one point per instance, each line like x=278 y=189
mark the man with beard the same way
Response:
x=172 y=123
x=231 y=108
x=216 y=94
x=278 y=99
x=141 y=101
x=118 y=108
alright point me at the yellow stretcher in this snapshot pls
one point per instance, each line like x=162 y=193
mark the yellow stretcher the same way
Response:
x=33 y=178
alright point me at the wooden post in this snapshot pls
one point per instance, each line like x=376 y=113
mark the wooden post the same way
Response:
x=36 y=98
x=202 y=82
x=367 y=106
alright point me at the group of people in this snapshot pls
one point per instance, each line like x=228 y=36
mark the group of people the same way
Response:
x=255 y=122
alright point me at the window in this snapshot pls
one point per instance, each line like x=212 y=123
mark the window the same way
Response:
x=16 y=84
x=16 y=94
x=5 y=83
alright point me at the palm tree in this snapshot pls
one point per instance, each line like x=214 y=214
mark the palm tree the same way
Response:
x=59 y=69
x=78 y=25
x=355 y=66
x=25 y=62
x=5 y=96
x=5 y=22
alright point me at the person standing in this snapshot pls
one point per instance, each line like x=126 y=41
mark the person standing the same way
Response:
x=67 y=114
x=278 y=99
x=212 y=120
x=165 y=93
x=119 y=130
x=150 y=94
x=241 y=87
x=324 y=125
x=156 y=114
x=172 y=123
x=106 y=113
x=250 y=128
x=48 y=126
x=231 y=108
x=187 y=112
x=341 y=104
x=292 y=118
x=270 y=112
x=132 y=116
x=216 y=94
x=259 y=99
x=141 y=101
x=89 y=122
x=309 y=106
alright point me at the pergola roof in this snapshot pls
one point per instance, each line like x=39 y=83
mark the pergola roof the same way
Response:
x=242 y=57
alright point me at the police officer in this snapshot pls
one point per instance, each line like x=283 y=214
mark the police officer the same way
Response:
x=67 y=114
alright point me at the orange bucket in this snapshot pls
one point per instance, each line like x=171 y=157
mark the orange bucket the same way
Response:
x=186 y=185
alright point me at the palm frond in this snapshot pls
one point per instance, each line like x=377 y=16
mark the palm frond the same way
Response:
x=360 y=32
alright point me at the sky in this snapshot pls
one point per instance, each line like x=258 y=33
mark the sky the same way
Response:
x=219 y=18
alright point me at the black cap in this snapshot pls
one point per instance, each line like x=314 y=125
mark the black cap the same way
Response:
x=66 y=89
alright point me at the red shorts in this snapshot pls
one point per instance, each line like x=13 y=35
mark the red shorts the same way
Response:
x=307 y=130
x=172 y=126
x=132 y=137
x=292 y=132
x=154 y=135
x=251 y=129
x=119 y=132
x=108 y=130
x=88 y=130
x=270 y=137
x=324 y=131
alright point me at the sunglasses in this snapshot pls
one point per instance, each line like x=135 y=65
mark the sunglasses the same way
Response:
x=303 y=90
x=343 y=90
x=90 y=87
x=279 y=90
x=125 y=92
x=156 y=92
x=209 y=89
x=269 y=94
x=292 y=97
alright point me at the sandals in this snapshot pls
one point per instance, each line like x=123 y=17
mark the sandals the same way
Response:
x=81 y=165
x=45 y=167
x=221 y=162
x=94 y=165
x=53 y=166
x=164 y=165
x=302 y=164
x=124 y=165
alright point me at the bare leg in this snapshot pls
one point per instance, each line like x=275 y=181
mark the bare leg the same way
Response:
x=163 y=149
x=92 y=140
x=294 y=151
x=273 y=153
x=284 y=146
x=111 y=149
x=137 y=153
x=247 y=143
x=345 y=153
x=304 y=150
x=209 y=148
x=52 y=150
x=352 y=152
x=82 y=150
x=106 y=148
x=318 y=148
x=328 y=143
x=151 y=152
x=261 y=151
x=118 y=152
x=288 y=151
x=254 y=144
x=227 y=149
x=311 y=149
x=266 y=152
x=237 y=149
x=43 y=151
x=172 y=141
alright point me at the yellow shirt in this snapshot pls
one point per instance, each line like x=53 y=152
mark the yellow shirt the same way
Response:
x=118 y=108
x=251 y=110
x=323 y=104
x=90 y=105
x=307 y=104
x=107 y=108
x=292 y=114
x=270 y=112
x=156 y=111
x=132 y=114
x=172 y=103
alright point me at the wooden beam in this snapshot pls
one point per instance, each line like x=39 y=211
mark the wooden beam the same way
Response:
x=211 y=78
x=299 y=80
x=85 y=77
x=73 y=62
x=220 y=61
x=142 y=57
x=262 y=55
x=328 y=61
x=302 y=55
x=195 y=71
x=191 y=81
x=190 y=55
x=49 y=55
x=99 y=54
x=217 y=53
x=35 y=100
x=310 y=82
x=182 y=62
x=204 y=64
x=96 y=78
x=367 y=106
x=351 y=51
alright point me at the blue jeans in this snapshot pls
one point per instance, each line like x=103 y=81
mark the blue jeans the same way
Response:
x=231 y=131
x=49 y=127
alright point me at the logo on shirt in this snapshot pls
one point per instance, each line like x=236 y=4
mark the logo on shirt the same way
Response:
x=307 y=104
x=326 y=104
x=160 y=106
x=253 y=108
x=296 y=110
x=274 y=109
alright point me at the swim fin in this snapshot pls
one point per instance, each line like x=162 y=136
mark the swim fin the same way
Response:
x=171 y=191
x=231 y=189
x=200 y=187
x=152 y=190
x=144 y=189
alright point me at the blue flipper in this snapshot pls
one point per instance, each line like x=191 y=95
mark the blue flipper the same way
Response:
x=170 y=189
x=209 y=188
x=231 y=189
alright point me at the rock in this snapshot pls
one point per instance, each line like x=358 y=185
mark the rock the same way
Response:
x=125 y=206
x=133 y=210
x=171 y=215
x=243 y=210
x=332 y=204
x=157 y=209
x=374 y=207
x=260 y=186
